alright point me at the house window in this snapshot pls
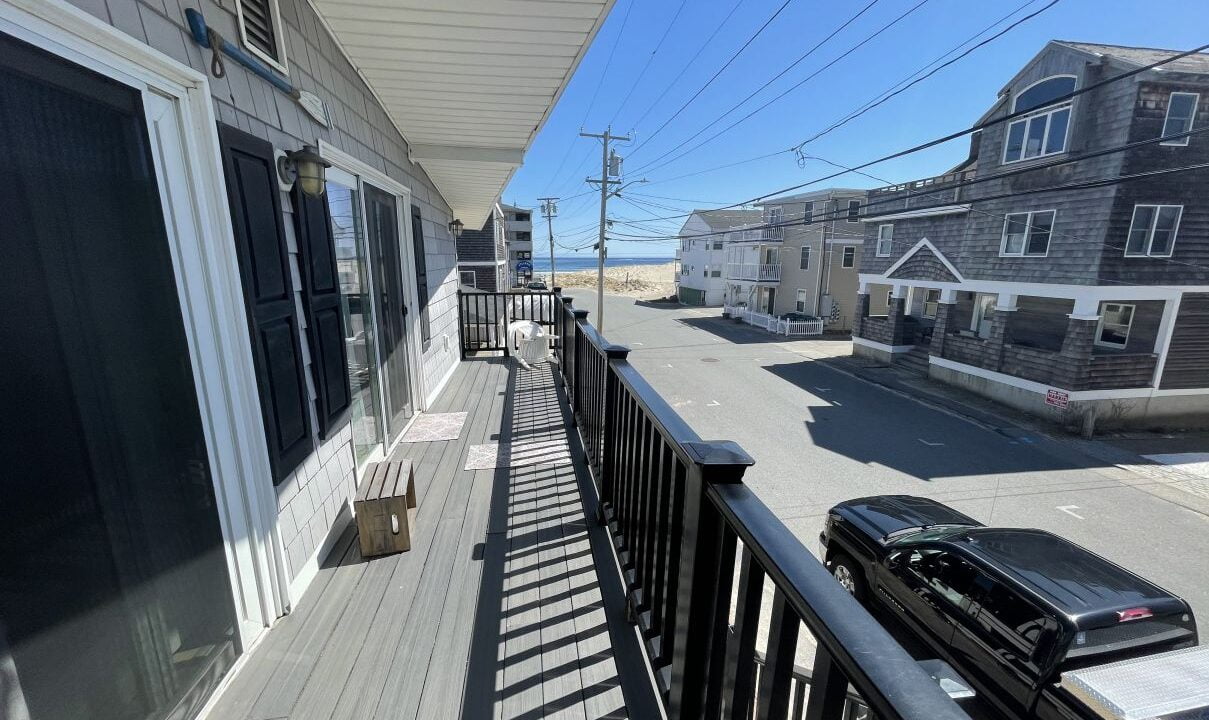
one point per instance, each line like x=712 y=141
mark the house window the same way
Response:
x=808 y=213
x=889 y=298
x=885 y=240
x=522 y=217
x=804 y=262
x=715 y=273
x=1027 y=234
x=705 y=271
x=776 y=215
x=849 y=259
x=523 y=254
x=717 y=244
x=524 y=236
x=261 y=31
x=1181 y=109
x=1152 y=232
x=467 y=278
x=1044 y=132
x=854 y=211
x=931 y=303
x=1113 y=330
x=800 y=305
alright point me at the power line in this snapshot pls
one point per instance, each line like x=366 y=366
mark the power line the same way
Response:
x=791 y=88
x=776 y=77
x=715 y=75
x=974 y=128
x=689 y=64
x=647 y=64
x=935 y=70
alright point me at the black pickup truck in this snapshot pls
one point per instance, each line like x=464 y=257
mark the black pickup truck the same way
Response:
x=1009 y=609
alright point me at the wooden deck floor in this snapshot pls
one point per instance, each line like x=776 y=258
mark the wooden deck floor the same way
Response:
x=498 y=611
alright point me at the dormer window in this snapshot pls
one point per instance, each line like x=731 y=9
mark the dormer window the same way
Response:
x=1042 y=132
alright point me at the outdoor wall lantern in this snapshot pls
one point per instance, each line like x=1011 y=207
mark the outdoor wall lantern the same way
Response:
x=455 y=228
x=305 y=167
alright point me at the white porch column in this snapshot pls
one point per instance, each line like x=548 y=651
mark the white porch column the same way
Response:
x=1162 y=341
x=1086 y=308
x=948 y=296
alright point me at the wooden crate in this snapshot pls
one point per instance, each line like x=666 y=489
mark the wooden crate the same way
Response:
x=386 y=494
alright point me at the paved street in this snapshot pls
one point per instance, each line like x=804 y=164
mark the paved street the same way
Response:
x=820 y=436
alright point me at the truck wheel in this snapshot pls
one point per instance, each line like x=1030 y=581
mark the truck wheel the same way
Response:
x=848 y=575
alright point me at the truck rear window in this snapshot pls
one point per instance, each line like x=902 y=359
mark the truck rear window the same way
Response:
x=1125 y=635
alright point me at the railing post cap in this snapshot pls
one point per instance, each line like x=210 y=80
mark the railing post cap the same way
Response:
x=616 y=352
x=557 y=289
x=716 y=455
x=566 y=300
x=579 y=314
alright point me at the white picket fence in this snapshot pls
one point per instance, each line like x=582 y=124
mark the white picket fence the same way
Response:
x=773 y=324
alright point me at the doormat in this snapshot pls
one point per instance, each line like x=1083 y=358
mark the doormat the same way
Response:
x=431 y=427
x=518 y=454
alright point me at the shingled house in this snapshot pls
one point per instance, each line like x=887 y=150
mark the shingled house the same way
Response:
x=1052 y=271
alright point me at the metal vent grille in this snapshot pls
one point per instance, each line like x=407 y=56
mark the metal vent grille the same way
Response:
x=258 y=26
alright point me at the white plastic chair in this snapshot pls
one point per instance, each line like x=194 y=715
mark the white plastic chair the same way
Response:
x=528 y=342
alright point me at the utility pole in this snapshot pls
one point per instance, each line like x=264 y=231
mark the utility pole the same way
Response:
x=605 y=182
x=549 y=210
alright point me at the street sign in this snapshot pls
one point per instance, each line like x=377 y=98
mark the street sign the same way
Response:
x=1057 y=398
x=524 y=266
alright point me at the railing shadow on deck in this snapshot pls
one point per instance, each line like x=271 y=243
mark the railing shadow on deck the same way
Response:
x=548 y=634
x=687 y=538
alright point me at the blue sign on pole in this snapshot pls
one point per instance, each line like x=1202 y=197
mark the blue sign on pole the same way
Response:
x=524 y=266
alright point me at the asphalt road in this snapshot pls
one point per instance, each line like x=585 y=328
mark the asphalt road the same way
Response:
x=820 y=436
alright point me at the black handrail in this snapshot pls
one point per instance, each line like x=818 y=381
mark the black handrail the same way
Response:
x=678 y=511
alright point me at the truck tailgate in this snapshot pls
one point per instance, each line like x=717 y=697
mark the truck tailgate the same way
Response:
x=1146 y=687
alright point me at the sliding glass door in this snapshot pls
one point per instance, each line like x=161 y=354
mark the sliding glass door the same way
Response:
x=382 y=229
x=356 y=300
x=115 y=598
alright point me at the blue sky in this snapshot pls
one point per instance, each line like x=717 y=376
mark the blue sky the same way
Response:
x=637 y=95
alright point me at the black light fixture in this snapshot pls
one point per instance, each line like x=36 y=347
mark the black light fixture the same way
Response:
x=306 y=167
x=455 y=228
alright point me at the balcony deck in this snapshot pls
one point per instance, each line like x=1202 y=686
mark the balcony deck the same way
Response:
x=508 y=605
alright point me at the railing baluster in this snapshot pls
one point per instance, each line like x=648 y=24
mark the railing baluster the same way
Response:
x=828 y=688
x=700 y=574
x=778 y=662
x=721 y=623
x=741 y=650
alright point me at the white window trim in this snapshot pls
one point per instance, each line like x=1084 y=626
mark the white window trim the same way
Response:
x=1048 y=112
x=800 y=299
x=879 y=240
x=858 y=211
x=281 y=64
x=1196 y=103
x=844 y=255
x=808 y=213
x=1133 y=309
x=473 y=278
x=1028 y=230
x=804 y=253
x=1175 y=231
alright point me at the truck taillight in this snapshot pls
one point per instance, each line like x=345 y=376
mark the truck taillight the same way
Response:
x=1133 y=614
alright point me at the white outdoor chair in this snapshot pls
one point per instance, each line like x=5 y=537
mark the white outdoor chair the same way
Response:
x=529 y=343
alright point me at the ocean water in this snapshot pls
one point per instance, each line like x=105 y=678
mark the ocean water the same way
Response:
x=585 y=261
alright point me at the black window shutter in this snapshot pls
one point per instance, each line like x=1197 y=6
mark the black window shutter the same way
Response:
x=321 y=300
x=264 y=267
x=417 y=240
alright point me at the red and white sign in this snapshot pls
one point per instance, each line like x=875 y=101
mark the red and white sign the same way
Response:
x=1057 y=398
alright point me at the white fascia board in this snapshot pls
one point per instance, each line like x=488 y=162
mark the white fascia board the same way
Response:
x=457 y=153
x=923 y=212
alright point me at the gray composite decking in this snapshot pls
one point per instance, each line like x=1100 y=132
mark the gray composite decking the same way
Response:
x=498 y=611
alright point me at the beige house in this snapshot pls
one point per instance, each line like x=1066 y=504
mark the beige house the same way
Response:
x=817 y=238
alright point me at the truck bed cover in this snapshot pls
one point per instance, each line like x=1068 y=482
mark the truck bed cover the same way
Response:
x=1156 y=686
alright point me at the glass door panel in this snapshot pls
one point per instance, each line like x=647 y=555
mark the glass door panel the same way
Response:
x=115 y=598
x=356 y=302
x=382 y=230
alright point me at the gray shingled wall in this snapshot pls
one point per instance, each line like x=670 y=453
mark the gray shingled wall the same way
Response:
x=310 y=497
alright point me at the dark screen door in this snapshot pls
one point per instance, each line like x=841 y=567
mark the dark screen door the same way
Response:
x=382 y=231
x=115 y=602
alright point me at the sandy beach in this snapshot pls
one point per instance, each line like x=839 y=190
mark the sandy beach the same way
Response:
x=643 y=281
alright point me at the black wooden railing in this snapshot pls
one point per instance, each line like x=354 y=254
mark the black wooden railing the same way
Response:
x=484 y=316
x=682 y=524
